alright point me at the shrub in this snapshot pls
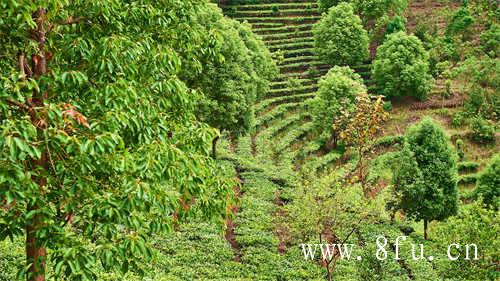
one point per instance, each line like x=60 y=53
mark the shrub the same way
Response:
x=339 y=37
x=369 y=9
x=401 y=67
x=460 y=149
x=488 y=183
x=337 y=92
x=231 y=85
x=467 y=167
x=396 y=24
x=490 y=40
x=460 y=23
x=425 y=177
x=388 y=106
x=482 y=130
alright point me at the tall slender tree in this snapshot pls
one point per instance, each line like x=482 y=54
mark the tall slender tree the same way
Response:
x=425 y=178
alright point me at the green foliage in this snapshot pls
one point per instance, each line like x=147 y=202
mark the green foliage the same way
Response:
x=339 y=37
x=388 y=106
x=368 y=9
x=401 y=67
x=460 y=149
x=488 y=183
x=473 y=225
x=97 y=152
x=232 y=83
x=482 y=131
x=396 y=24
x=337 y=92
x=467 y=167
x=490 y=40
x=461 y=23
x=425 y=178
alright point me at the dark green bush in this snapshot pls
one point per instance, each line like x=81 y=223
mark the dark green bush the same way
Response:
x=488 y=183
x=467 y=167
x=387 y=106
x=482 y=131
x=401 y=67
x=339 y=37
x=490 y=40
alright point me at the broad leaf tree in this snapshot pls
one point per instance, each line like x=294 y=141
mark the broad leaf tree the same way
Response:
x=401 y=67
x=231 y=82
x=425 y=178
x=336 y=97
x=339 y=37
x=99 y=146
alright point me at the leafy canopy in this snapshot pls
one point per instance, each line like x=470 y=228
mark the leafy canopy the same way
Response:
x=425 y=178
x=231 y=84
x=401 y=67
x=339 y=37
x=369 y=9
x=336 y=94
x=100 y=146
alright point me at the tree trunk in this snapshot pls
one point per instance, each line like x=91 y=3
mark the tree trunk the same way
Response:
x=331 y=144
x=425 y=229
x=214 y=147
x=36 y=253
x=329 y=272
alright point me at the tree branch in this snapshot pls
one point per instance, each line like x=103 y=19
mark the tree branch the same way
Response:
x=20 y=105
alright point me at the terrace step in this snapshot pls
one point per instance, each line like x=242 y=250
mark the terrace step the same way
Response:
x=279 y=13
x=291 y=91
x=276 y=85
x=289 y=41
x=282 y=5
x=282 y=29
x=282 y=20
x=300 y=59
x=291 y=46
x=287 y=35
x=301 y=67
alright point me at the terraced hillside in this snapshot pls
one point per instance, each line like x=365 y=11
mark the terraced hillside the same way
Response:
x=286 y=28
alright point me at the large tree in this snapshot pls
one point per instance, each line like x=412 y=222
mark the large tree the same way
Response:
x=336 y=94
x=401 y=67
x=231 y=83
x=339 y=37
x=425 y=178
x=99 y=146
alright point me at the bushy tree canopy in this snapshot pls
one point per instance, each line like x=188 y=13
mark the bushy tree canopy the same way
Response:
x=337 y=92
x=488 y=183
x=339 y=37
x=100 y=147
x=401 y=67
x=425 y=178
x=231 y=83
x=368 y=9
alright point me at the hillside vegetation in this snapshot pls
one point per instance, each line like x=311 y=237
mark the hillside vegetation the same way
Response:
x=280 y=123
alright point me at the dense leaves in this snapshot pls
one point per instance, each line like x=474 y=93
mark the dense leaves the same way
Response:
x=231 y=84
x=339 y=37
x=369 y=9
x=336 y=94
x=488 y=183
x=100 y=146
x=425 y=177
x=473 y=225
x=401 y=67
